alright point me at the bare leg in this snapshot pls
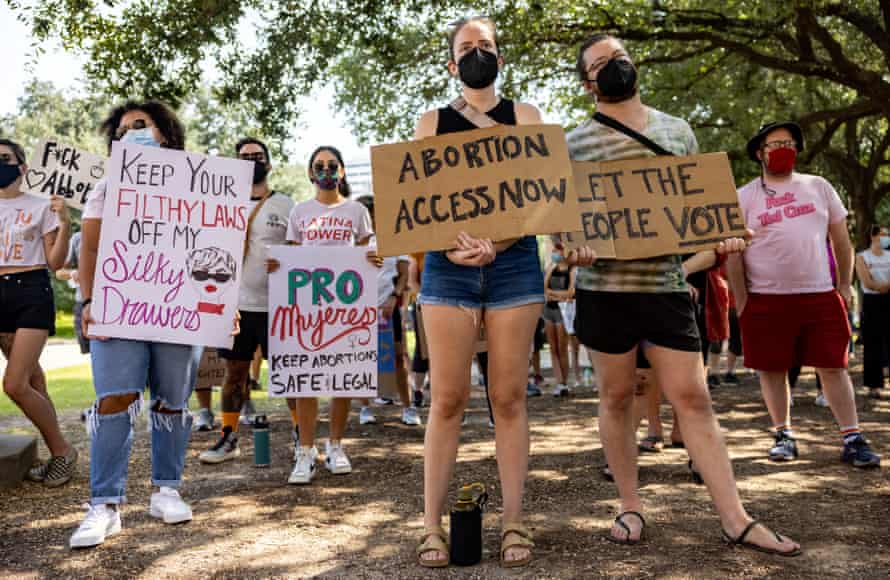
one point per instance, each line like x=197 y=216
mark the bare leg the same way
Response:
x=777 y=396
x=205 y=398
x=307 y=410
x=680 y=376
x=402 y=375
x=451 y=337
x=556 y=359
x=339 y=418
x=22 y=363
x=838 y=391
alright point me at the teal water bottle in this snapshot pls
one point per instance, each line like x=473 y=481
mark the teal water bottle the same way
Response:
x=261 y=453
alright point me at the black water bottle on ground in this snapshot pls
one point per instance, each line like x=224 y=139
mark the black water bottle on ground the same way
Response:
x=466 y=525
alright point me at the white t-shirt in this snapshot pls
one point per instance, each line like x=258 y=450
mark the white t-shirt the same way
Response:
x=387 y=275
x=269 y=228
x=878 y=267
x=788 y=253
x=24 y=220
x=95 y=205
x=312 y=223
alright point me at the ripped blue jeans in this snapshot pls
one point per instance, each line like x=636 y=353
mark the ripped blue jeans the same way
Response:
x=125 y=367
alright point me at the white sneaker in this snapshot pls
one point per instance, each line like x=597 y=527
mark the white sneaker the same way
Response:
x=366 y=417
x=100 y=522
x=204 y=421
x=383 y=401
x=821 y=401
x=226 y=448
x=411 y=417
x=336 y=460
x=304 y=467
x=168 y=506
x=560 y=390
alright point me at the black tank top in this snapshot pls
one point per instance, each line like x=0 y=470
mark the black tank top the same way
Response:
x=450 y=121
x=559 y=280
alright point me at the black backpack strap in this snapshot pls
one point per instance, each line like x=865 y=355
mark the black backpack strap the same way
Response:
x=622 y=128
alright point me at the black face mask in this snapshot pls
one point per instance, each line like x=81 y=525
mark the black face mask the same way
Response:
x=617 y=81
x=8 y=174
x=260 y=171
x=478 y=68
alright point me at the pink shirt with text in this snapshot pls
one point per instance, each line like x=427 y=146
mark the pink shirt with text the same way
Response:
x=24 y=220
x=788 y=254
x=312 y=223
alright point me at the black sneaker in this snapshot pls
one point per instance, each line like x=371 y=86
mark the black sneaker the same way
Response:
x=60 y=469
x=713 y=381
x=225 y=449
x=785 y=448
x=418 y=399
x=858 y=454
x=254 y=385
x=730 y=379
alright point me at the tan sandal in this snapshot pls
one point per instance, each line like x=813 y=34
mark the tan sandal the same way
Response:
x=521 y=538
x=433 y=540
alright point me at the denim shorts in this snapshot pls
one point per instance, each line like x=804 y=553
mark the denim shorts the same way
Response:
x=513 y=279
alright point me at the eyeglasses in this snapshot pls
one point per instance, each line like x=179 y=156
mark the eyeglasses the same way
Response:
x=137 y=124
x=779 y=144
x=204 y=275
x=332 y=166
x=256 y=157
x=7 y=159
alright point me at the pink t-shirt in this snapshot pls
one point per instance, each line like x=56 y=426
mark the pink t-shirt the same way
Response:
x=788 y=254
x=24 y=220
x=313 y=223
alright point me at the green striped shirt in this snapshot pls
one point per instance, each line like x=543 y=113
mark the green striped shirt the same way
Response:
x=593 y=141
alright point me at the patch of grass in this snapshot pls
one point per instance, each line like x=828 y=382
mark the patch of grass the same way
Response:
x=64 y=325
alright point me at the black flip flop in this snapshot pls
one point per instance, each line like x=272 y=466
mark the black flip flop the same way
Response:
x=620 y=521
x=740 y=541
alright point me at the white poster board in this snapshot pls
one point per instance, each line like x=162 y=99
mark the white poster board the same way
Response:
x=322 y=323
x=171 y=246
x=59 y=169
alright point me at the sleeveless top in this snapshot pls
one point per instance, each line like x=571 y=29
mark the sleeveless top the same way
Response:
x=450 y=121
x=878 y=267
x=559 y=280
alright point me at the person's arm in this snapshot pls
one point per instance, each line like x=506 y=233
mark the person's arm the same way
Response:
x=699 y=261
x=403 y=268
x=55 y=243
x=864 y=273
x=843 y=254
x=735 y=276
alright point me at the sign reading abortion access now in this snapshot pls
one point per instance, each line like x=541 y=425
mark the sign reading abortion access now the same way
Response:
x=322 y=323
x=501 y=182
x=59 y=169
x=171 y=246
x=654 y=206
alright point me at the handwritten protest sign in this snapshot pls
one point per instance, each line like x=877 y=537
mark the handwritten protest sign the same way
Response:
x=59 y=169
x=322 y=323
x=171 y=246
x=211 y=370
x=641 y=208
x=499 y=183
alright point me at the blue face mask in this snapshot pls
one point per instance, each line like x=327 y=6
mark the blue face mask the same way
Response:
x=144 y=137
x=557 y=258
x=885 y=242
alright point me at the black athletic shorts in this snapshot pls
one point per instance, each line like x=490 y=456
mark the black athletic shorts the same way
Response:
x=615 y=322
x=26 y=301
x=254 y=333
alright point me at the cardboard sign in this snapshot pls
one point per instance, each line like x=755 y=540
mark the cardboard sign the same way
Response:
x=503 y=182
x=322 y=323
x=211 y=370
x=655 y=206
x=59 y=169
x=171 y=246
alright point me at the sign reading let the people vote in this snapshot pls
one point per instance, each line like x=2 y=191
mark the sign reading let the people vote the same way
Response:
x=653 y=206
x=171 y=247
x=501 y=182
x=56 y=168
x=322 y=323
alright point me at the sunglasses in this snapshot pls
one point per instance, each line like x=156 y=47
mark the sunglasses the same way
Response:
x=779 y=144
x=7 y=159
x=332 y=166
x=137 y=124
x=256 y=157
x=204 y=275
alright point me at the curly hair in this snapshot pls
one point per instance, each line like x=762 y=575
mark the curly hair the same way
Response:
x=161 y=115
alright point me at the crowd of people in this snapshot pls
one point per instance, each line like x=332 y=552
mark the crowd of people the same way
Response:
x=653 y=329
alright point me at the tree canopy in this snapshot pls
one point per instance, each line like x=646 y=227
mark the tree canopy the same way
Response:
x=728 y=66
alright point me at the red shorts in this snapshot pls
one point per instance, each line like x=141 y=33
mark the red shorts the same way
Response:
x=780 y=331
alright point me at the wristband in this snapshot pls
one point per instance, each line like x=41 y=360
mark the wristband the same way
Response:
x=86 y=302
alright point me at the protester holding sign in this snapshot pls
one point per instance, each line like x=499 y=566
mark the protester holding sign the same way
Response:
x=627 y=305
x=122 y=368
x=499 y=283
x=34 y=234
x=789 y=310
x=266 y=226
x=330 y=219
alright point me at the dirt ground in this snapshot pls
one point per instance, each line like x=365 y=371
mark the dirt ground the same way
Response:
x=250 y=524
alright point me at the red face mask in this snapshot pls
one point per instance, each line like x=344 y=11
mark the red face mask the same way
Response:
x=781 y=161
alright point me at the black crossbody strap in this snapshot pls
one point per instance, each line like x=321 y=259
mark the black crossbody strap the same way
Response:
x=622 y=128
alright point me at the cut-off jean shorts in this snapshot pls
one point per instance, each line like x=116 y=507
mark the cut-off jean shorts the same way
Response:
x=513 y=279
